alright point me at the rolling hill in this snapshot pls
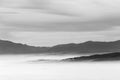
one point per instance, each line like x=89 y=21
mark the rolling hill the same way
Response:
x=81 y=48
x=98 y=57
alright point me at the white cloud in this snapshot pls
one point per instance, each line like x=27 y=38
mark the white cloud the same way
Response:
x=50 y=38
x=82 y=19
x=60 y=15
x=89 y=8
x=54 y=38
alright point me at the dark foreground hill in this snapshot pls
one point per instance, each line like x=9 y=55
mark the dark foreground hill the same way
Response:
x=97 y=57
x=82 y=48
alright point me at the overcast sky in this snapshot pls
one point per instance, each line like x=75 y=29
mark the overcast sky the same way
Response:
x=51 y=22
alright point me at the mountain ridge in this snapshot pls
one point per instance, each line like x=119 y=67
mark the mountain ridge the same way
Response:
x=11 y=47
x=97 y=57
x=80 y=48
x=88 y=47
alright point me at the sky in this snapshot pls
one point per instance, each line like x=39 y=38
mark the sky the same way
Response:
x=52 y=22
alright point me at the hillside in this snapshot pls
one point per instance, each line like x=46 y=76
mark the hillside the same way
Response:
x=82 y=48
x=98 y=57
x=11 y=47
x=87 y=47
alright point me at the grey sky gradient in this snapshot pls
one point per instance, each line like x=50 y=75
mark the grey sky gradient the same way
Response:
x=99 y=19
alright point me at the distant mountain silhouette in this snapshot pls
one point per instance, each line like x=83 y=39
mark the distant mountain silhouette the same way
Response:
x=82 y=48
x=10 y=47
x=87 y=47
x=98 y=57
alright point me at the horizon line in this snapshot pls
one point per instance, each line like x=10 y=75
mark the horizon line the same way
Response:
x=57 y=44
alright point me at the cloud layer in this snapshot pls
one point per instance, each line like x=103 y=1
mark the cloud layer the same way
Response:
x=60 y=15
x=49 y=16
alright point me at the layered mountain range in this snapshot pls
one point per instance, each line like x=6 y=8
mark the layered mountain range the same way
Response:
x=81 y=48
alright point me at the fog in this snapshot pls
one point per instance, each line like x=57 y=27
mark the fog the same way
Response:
x=20 y=67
